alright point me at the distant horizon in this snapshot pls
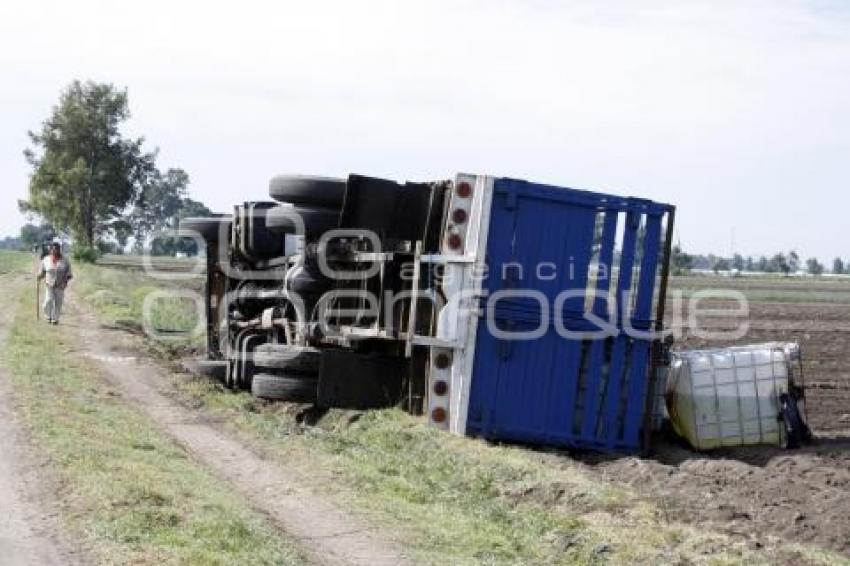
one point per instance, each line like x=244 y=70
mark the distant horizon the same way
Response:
x=827 y=262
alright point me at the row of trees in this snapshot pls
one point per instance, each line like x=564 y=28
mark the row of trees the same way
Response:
x=91 y=182
x=786 y=264
x=30 y=235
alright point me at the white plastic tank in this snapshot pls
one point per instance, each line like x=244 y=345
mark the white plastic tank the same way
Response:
x=730 y=396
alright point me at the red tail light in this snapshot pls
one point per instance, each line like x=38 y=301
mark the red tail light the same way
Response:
x=464 y=189
x=438 y=415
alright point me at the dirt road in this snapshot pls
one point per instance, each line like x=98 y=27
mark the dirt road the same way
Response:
x=28 y=533
x=328 y=535
x=24 y=540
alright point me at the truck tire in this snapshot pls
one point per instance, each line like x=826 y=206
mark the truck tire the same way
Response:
x=317 y=220
x=255 y=242
x=296 y=359
x=209 y=228
x=296 y=389
x=308 y=190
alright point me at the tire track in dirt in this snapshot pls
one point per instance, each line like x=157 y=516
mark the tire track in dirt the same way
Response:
x=28 y=535
x=328 y=535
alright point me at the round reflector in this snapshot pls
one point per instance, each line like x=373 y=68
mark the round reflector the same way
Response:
x=455 y=241
x=442 y=361
x=464 y=189
x=459 y=216
x=438 y=415
x=441 y=387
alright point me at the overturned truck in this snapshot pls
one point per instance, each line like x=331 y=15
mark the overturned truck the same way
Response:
x=500 y=308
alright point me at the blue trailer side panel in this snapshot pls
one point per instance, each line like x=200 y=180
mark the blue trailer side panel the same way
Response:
x=544 y=370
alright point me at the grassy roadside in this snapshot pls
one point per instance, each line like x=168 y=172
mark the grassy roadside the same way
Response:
x=118 y=296
x=130 y=493
x=16 y=262
x=459 y=501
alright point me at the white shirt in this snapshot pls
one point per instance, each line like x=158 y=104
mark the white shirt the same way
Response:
x=56 y=273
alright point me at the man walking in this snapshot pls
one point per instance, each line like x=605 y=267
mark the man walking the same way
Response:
x=56 y=272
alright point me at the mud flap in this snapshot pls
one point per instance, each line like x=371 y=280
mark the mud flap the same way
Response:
x=349 y=380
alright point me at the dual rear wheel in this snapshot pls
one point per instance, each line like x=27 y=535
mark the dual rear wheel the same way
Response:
x=287 y=373
x=309 y=206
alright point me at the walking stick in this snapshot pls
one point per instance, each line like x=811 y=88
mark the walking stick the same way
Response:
x=37 y=298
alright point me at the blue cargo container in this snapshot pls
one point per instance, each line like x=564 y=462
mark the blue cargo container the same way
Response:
x=527 y=317
x=527 y=348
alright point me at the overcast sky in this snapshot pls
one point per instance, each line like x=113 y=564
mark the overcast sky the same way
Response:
x=737 y=112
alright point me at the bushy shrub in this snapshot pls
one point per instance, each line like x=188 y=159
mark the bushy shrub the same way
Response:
x=85 y=254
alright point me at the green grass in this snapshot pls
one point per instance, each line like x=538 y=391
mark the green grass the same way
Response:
x=128 y=491
x=765 y=295
x=16 y=262
x=118 y=297
x=455 y=500
x=788 y=290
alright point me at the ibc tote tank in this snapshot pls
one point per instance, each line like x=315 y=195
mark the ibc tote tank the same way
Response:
x=730 y=396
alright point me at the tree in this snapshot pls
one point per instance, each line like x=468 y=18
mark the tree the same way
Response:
x=813 y=266
x=33 y=234
x=159 y=203
x=749 y=265
x=762 y=264
x=680 y=261
x=192 y=209
x=722 y=264
x=159 y=208
x=793 y=262
x=778 y=264
x=837 y=265
x=121 y=230
x=699 y=261
x=85 y=172
x=170 y=246
x=738 y=262
x=12 y=243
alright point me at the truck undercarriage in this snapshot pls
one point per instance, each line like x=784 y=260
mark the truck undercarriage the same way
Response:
x=309 y=298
